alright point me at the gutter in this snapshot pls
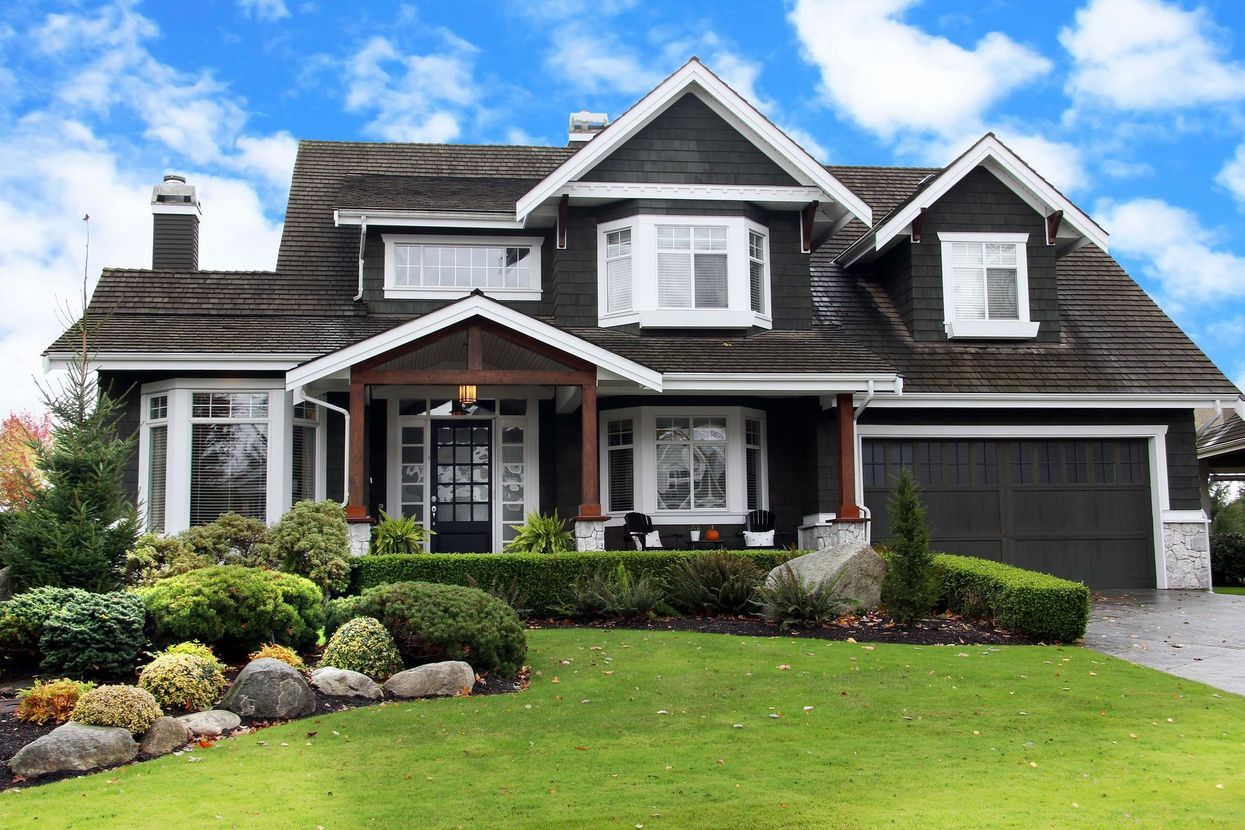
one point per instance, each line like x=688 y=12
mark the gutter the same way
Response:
x=362 y=243
x=1206 y=427
x=300 y=393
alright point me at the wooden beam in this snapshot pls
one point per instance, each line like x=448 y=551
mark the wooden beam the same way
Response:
x=590 y=484
x=1052 y=226
x=356 y=507
x=807 y=215
x=536 y=346
x=406 y=348
x=479 y=377
x=848 y=509
x=563 y=220
x=917 y=224
x=475 y=349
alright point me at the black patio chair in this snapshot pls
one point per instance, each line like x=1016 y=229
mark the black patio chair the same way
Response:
x=760 y=521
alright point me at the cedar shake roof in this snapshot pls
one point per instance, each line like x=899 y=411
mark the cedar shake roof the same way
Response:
x=1230 y=431
x=1114 y=339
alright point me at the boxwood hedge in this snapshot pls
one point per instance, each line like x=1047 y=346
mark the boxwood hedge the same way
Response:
x=1027 y=602
x=542 y=578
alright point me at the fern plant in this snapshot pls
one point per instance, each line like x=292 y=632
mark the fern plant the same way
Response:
x=616 y=594
x=541 y=533
x=399 y=534
x=788 y=600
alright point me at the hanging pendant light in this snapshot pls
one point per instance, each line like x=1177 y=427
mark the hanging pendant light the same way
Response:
x=466 y=394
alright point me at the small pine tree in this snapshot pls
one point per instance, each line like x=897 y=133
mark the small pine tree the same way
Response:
x=911 y=563
x=77 y=527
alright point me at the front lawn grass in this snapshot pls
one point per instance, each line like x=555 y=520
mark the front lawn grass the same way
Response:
x=1229 y=589
x=632 y=728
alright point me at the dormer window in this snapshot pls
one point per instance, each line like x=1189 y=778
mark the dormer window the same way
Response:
x=985 y=282
x=684 y=272
x=447 y=267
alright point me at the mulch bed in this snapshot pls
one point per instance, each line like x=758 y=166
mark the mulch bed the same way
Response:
x=943 y=630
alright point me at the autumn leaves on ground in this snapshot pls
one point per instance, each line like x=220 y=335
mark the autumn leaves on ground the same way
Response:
x=640 y=729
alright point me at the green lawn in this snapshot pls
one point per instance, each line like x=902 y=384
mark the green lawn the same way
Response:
x=628 y=729
x=1230 y=589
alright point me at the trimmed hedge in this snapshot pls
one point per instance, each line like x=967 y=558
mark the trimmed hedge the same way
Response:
x=543 y=578
x=1027 y=602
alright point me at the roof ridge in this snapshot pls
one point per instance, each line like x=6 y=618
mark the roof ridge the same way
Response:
x=340 y=143
x=123 y=270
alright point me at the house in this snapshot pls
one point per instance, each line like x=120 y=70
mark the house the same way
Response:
x=682 y=313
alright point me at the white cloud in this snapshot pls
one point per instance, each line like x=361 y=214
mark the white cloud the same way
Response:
x=264 y=9
x=809 y=142
x=1149 y=55
x=414 y=97
x=269 y=156
x=1232 y=175
x=1061 y=164
x=1184 y=258
x=595 y=61
x=1120 y=169
x=891 y=77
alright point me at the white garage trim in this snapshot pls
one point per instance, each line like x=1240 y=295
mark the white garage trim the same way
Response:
x=1156 y=441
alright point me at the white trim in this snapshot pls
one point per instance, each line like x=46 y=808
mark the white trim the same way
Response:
x=183 y=361
x=1213 y=450
x=177 y=208
x=1173 y=516
x=1010 y=169
x=695 y=78
x=773 y=194
x=644 y=309
x=1039 y=400
x=1020 y=328
x=761 y=382
x=1155 y=435
x=427 y=219
x=393 y=291
x=461 y=311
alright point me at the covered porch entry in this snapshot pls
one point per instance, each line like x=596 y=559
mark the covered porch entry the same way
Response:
x=443 y=421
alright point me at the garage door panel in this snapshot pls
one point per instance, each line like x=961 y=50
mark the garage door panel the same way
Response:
x=1079 y=509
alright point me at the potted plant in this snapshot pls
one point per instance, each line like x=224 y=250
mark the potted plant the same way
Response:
x=695 y=532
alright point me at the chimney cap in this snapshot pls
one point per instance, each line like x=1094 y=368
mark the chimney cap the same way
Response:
x=174 y=177
x=173 y=195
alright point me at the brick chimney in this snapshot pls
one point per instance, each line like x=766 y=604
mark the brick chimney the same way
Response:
x=175 y=225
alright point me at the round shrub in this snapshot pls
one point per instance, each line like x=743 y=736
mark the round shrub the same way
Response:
x=443 y=622
x=278 y=652
x=1227 y=559
x=22 y=617
x=156 y=557
x=235 y=609
x=183 y=681
x=51 y=701
x=363 y=645
x=94 y=634
x=127 y=707
x=195 y=648
x=312 y=540
x=232 y=539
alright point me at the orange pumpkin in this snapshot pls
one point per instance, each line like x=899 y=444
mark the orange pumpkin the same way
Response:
x=712 y=534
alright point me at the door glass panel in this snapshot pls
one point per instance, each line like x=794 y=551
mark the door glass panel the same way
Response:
x=513 y=480
x=411 y=472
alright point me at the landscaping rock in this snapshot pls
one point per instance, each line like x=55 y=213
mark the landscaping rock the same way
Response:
x=345 y=683
x=211 y=724
x=6 y=584
x=269 y=689
x=858 y=570
x=74 y=747
x=163 y=736
x=445 y=679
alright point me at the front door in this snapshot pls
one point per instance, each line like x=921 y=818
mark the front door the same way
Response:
x=461 y=504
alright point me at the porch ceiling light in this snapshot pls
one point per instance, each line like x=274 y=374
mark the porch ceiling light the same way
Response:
x=467 y=394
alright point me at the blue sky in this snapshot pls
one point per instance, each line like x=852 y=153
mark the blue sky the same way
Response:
x=1136 y=108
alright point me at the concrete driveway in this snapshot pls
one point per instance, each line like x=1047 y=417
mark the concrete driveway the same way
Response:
x=1191 y=634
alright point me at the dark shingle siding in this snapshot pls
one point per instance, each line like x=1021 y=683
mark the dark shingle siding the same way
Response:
x=175 y=242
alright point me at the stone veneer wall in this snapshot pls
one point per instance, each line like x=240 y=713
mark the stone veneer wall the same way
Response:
x=360 y=538
x=1186 y=554
x=590 y=534
x=833 y=535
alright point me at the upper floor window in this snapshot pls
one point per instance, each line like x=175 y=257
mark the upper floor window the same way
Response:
x=438 y=267
x=985 y=281
x=684 y=272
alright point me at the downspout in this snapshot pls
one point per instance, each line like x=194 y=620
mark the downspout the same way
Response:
x=897 y=388
x=1206 y=427
x=362 y=244
x=345 y=413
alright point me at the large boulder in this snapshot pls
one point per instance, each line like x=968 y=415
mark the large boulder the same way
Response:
x=269 y=690
x=74 y=747
x=210 y=724
x=345 y=683
x=855 y=571
x=164 y=736
x=445 y=679
x=6 y=584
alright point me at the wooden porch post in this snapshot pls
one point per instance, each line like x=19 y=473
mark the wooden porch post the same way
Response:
x=590 y=487
x=356 y=507
x=848 y=509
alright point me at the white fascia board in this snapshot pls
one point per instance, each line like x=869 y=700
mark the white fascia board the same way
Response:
x=1011 y=430
x=1221 y=449
x=182 y=361
x=781 y=194
x=176 y=208
x=762 y=382
x=1005 y=164
x=426 y=219
x=694 y=77
x=474 y=306
x=950 y=400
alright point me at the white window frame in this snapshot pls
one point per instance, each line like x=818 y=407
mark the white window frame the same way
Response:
x=320 y=436
x=147 y=422
x=393 y=291
x=645 y=311
x=644 y=461
x=1019 y=329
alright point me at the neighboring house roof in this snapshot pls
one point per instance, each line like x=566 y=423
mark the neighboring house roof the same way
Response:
x=1114 y=339
x=1226 y=436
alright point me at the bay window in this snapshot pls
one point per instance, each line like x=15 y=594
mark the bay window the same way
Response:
x=228 y=455
x=683 y=463
x=986 y=285
x=683 y=272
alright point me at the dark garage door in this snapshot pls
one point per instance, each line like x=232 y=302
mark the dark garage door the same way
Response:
x=1075 y=508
